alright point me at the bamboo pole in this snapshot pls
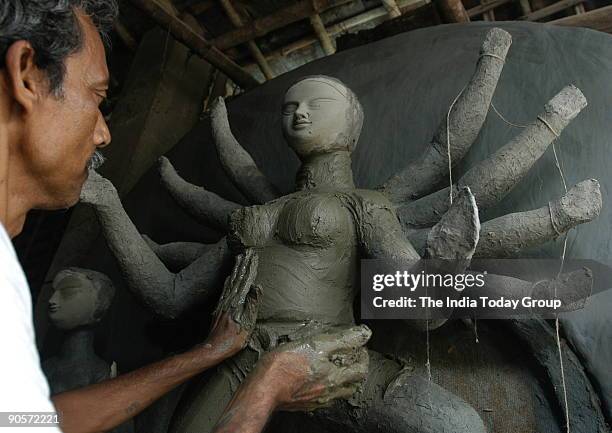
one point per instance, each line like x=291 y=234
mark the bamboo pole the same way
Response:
x=377 y=15
x=488 y=15
x=525 y=6
x=392 y=8
x=597 y=19
x=452 y=11
x=200 y=8
x=262 y=26
x=185 y=34
x=252 y=46
x=550 y=10
x=319 y=28
x=125 y=36
x=482 y=8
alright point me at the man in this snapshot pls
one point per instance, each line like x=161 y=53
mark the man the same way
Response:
x=53 y=77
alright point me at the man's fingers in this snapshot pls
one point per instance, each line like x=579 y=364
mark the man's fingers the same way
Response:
x=350 y=367
x=344 y=392
x=341 y=339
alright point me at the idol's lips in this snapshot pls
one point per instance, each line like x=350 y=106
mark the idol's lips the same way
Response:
x=299 y=124
x=53 y=308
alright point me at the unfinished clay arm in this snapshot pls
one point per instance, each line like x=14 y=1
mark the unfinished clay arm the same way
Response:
x=379 y=231
x=464 y=123
x=491 y=179
x=508 y=235
x=178 y=255
x=236 y=161
x=164 y=292
x=205 y=206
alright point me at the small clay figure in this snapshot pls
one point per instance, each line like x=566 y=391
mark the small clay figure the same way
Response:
x=80 y=299
x=310 y=242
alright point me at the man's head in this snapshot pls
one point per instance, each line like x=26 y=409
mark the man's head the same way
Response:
x=53 y=78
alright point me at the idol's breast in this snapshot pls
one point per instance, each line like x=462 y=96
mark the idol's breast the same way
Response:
x=308 y=269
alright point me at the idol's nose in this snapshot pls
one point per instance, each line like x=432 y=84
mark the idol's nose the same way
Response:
x=301 y=113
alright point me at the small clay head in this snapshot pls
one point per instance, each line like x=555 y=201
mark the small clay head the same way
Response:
x=80 y=298
x=321 y=115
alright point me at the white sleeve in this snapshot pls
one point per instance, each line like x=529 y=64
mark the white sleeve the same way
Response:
x=23 y=386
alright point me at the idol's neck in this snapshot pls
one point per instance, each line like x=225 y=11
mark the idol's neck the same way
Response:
x=326 y=172
x=78 y=344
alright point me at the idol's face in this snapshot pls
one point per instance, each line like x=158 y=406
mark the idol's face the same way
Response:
x=74 y=300
x=315 y=117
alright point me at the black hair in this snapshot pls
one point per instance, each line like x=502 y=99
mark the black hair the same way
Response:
x=53 y=29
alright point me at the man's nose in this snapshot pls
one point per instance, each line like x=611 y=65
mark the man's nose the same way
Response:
x=102 y=135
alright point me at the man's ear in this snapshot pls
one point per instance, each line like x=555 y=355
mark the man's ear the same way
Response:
x=25 y=80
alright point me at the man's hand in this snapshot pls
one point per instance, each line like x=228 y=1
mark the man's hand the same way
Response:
x=311 y=373
x=97 y=189
x=301 y=375
x=236 y=312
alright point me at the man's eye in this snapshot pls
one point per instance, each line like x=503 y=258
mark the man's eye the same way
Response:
x=105 y=107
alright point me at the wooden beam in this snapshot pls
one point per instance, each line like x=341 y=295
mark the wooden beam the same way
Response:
x=525 y=6
x=452 y=11
x=392 y=8
x=236 y=20
x=550 y=10
x=480 y=9
x=192 y=39
x=319 y=28
x=377 y=15
x=200 y=8
x=125 y=35
x=579 y=9
x=262 y=26
x=597 y=19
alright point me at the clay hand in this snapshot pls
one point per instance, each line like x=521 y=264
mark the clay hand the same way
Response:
x=310 y=373
x=96 y=189
x=236 y=312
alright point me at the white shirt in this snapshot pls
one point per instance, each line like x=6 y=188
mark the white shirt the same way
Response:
x=23 y=386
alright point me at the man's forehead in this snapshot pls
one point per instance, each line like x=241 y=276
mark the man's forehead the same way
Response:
x=91 y=58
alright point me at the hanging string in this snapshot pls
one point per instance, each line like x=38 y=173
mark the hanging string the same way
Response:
x=558 y=338
x=450 y=180
x=427 y=347
x=448 y=145
x=564 y=182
